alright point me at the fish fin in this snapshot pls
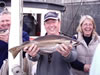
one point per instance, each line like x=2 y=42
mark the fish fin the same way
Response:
x=15 y=50
x=26 y=42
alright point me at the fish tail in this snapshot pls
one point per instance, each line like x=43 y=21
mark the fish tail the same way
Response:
x=15 y=50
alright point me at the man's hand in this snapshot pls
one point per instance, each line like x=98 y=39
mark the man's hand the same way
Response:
x=64 y=50
x=32 y=50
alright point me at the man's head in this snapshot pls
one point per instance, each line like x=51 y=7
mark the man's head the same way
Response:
x=52 y=23
x=5 y=20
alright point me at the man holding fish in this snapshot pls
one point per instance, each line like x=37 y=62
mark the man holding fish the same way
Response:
x=5 y=22
x=54 y=63
x=4 y=34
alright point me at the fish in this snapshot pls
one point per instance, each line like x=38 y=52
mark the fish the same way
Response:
x=47 y=44
x=4 y=31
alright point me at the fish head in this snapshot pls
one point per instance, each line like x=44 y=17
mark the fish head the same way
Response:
x=72 y=42
x=4 y=31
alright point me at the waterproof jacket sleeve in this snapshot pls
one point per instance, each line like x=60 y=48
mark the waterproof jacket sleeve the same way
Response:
x=71 y=57
x=34 y=58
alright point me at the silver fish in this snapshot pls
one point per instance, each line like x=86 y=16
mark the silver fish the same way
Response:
x=47 y=44
x=3 y=31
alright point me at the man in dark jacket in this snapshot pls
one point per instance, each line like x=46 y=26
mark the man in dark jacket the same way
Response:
x=5 y=22
x=3 y=51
